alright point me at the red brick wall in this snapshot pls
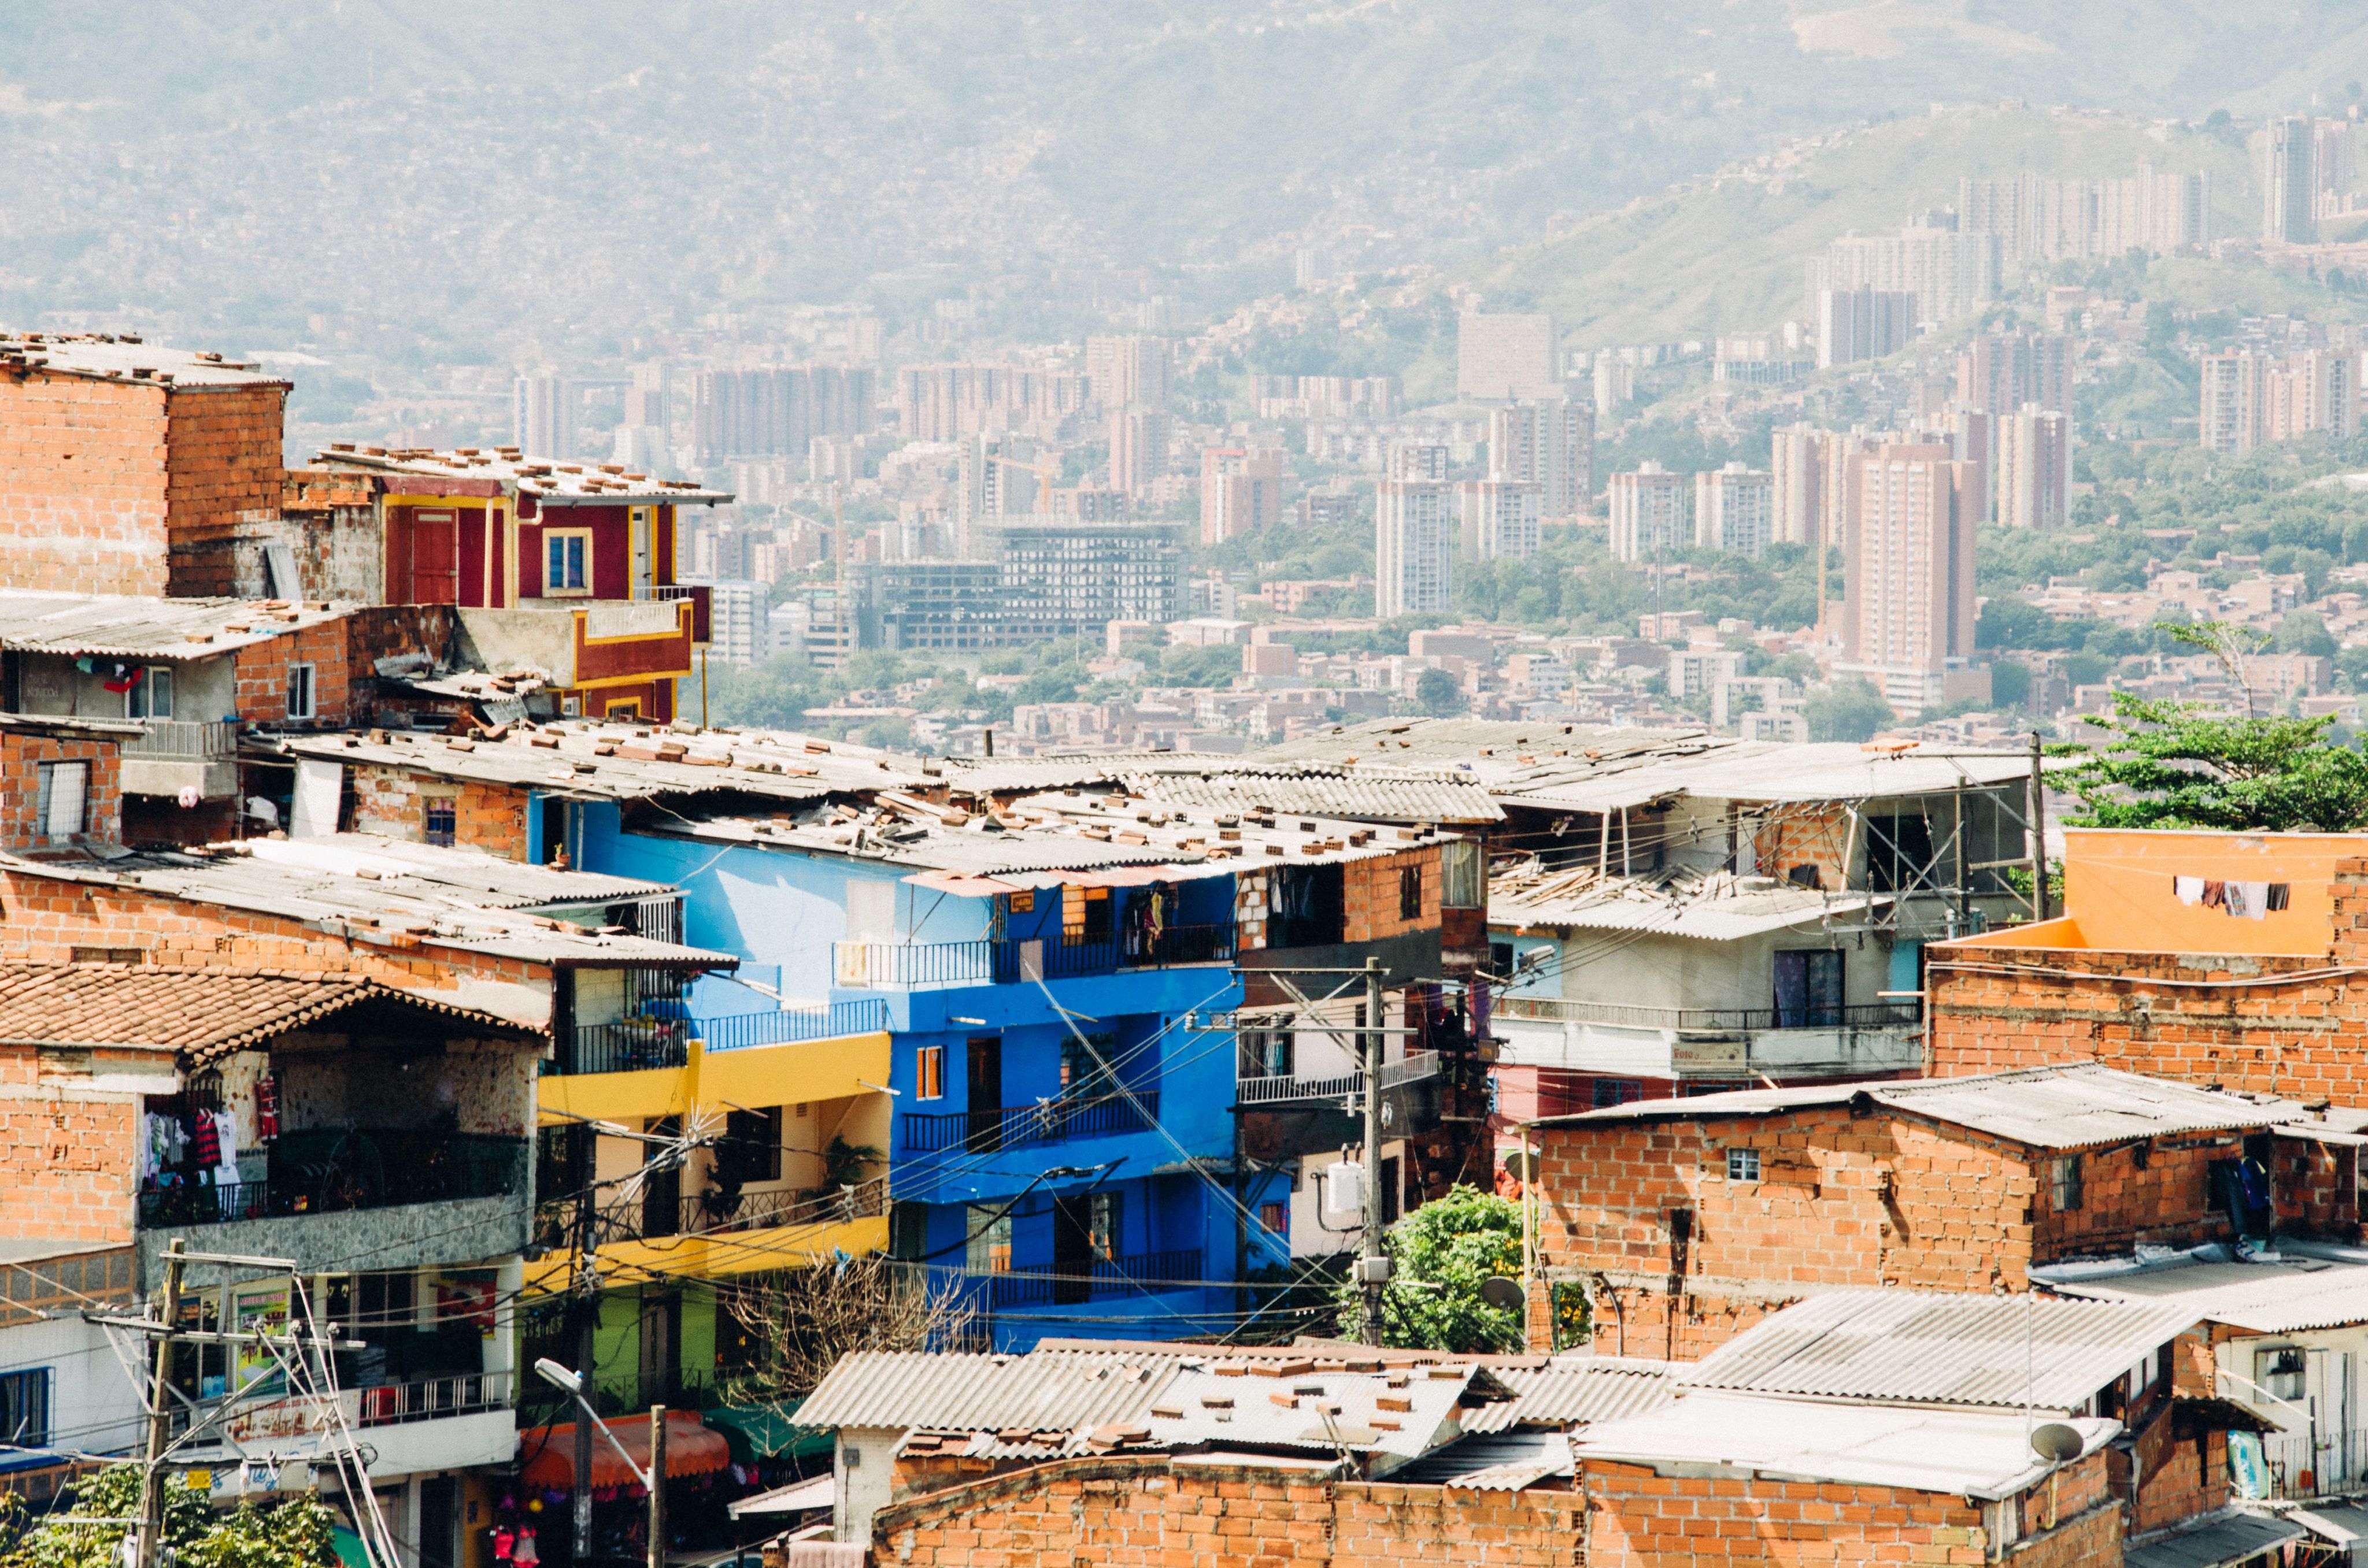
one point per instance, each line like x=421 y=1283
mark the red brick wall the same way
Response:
x=1639 y=1520
x=2178 y=1477
x=21 y=788
x=261 y=671
x=2243 y=1022
x=1369 y=896
x=222 y=467
x=1141 y=1512
x=43 y=920
x=83 y=485
x=490 y=817
x=68 y=1159
x=1842 y=1200
x=1815 y=837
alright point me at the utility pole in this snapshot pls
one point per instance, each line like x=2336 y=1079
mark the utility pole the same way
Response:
x=2038 y=814
x=160 y=1415
x=657 y=1486
x=586 y=1305
x=1372 y=1264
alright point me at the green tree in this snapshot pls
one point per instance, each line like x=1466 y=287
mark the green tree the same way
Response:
x=294 y=1533
x=1441 y=1254
x=1437 y=694
x=2175 y=765
x=1847 y=710
x=2302 y=631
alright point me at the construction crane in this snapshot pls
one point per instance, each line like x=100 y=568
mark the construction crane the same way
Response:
x=1045 y=474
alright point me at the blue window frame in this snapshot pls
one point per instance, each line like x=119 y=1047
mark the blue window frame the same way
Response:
x=564 y=562
x=25 y=1408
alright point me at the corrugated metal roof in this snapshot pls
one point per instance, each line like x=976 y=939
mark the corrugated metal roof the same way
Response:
x=2291 y=1296
x=1577 y=1390
x=1316 y=1410
x=125 y=627
x=590 y=761
x=1942 y=1347
x=1045 y=1391
x=1490 y=1461
x=1719 y=907
x=1359 y=797
x=1967 y=1453
x=110 y=358
x=493 y=880
x=554 y=482
x=2219 y=1544
x=313 y=885
x=2075 y=1106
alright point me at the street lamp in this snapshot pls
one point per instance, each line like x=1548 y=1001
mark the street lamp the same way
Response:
x=570 y=1382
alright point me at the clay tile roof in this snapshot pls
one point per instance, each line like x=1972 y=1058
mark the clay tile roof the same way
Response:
x=200 y=1014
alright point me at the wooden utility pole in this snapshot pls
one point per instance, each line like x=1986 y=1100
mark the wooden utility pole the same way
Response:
x=657 y=1486
x=1372 y=1263
x=159 y=1414
x=2038 y=814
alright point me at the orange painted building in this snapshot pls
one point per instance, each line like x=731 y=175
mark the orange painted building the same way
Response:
x=2239 y=959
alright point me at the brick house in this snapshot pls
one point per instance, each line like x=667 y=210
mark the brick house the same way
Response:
x=134 y=469
x=2228 y=959
x=1669 y=1226
x=564 y=568
x=61 y=780
x=186 y=676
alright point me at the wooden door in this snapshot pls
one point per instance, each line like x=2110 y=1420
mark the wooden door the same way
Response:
x=435 y=559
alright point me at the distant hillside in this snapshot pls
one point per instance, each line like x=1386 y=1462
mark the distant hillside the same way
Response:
x=1727 y=254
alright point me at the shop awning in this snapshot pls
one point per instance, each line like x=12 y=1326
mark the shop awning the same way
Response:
x=794 y=1498
x=549 y=1452
x=767 y=1432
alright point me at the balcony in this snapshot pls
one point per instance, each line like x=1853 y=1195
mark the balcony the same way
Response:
x=703 y=603
x=1016 y=1127
x=865 y=1015
x=1146 y=1274
x=902 y=966
x=1714 y=1020
x=711 y=1213
x=1418 y=1066
x=431 y=1399
x=1713 y=1043
x=649 y=1044
x=176 y=755
x=339 y=1171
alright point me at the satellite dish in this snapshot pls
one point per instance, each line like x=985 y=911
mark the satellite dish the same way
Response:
x=1507 y=1296
x=2056 y=1443
x=1522 y=1164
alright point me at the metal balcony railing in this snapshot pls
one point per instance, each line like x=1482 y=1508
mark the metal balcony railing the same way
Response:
x=713 y=1213
x=864 y=1014
x=2303 y=1465
x=1417 y=1066
x=185 y=740
x=1714 y=1020
x=629 y=1045
x=894 y=966
x=701 y=597
x=432 y=1399
x=1146 y=1274
x=1054 y=1121
x=339 y=1170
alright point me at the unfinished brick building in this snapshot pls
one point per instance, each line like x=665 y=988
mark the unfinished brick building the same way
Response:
x=1671 y=1226
x=2228 y=959
x=129 y=468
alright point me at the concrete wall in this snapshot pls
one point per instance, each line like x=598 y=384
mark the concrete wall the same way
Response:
x=414 y=1235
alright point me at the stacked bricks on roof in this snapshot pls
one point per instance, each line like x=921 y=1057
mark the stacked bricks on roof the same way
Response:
x=1636 y=1519
x=43 y=920
x=1842 y=1200
x=1142 y=1513
x=488 y=817
x=2278 y=1025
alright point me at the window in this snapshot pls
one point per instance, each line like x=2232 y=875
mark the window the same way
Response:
x=107 y=955
x=150 y=696
x=1462 y=884
x=59 y=807
x=2279 y=1372
x=930 y=1072
x=566 y=561
x=1617 y=1091
x=631 y=707
x=1410 y=892
x=1103 y=1223
x=1024 y=902
x=988 y=1250
x=299 y=691
x=1743 y=1164
x=1276 y=1218
x=753 y=1139
x=25 y=1408
x=1265 y=1053
x=1809 y=989
x=2064 y=1183
x=442 y=821
x=1084 y=1065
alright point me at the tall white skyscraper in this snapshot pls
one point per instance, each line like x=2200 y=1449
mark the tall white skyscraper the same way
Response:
x=1500 y=357
x=542 y=413
x=1415 y=529
x=1550 y=442
x=1648 y=512
x=1734 y=509
x=2033 y=471
x=1907 y=611
x=2290 y=192
x=1499 y=517
x=1796 y=460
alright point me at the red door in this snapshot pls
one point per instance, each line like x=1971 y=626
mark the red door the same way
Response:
x=435 y=559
